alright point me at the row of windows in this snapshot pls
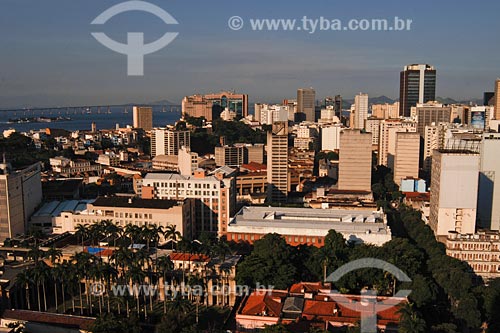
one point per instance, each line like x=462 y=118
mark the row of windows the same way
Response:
x=187 y=192
x=289 y=239
x=181 y=185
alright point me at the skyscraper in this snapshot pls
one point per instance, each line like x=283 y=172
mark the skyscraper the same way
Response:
x=143 y=117
x=497 y=99
x=417 y=85
x=407 y=156
x=360 y=111
x=305 y=103
x=454 y=187
x=20 y=194
x=355 y=161
x=338 y=106
x=168 y=141
x=277 y=163
x=489 y=183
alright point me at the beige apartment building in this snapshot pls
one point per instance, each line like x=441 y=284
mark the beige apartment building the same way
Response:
x=277 y=163
x=386 y=111
x=143 y=117
x=168 y=141
x=480 y=250
x=123 y=211
x=214 y=194
x=355 y=161
x=454 y=188
x=387 y=140
x=360 y=111
x=20 y=194
x=372 y=125
x=497 y=99
x=406 y=156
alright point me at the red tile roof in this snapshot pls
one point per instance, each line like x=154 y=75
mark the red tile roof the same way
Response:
x=418 y=196
x=49 y=318
x=180 y=256
x=259 y=303
x=254 y=166
x=307 y=287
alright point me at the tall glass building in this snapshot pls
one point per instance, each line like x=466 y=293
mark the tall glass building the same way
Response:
x=417 y=85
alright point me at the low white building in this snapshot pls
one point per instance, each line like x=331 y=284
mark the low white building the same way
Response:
x=309 y=226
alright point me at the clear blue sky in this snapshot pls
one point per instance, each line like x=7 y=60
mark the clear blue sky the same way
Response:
x=48 y=56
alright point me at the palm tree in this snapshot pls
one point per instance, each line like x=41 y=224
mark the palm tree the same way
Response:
x=57 y=274
x=23 y=279
x=83 y=260
x=41 y=275
x=35 y=254
x=133 y=232
x=136 y=276
x=164 y=265
x=82 y=232
x=53 y=254
x=172 y=234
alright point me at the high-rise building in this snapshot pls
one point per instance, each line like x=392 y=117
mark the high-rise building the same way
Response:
x=267 y=113
x=355 y=161
x=187 y=161
x=277 y=163
x=489 y=98
x=20 y=194
x=255 y=153
x=143 y=117
x=387 y=140
x=306 y=98
x=386 y=111
x=232 y=156
x=214 y=194
x=407 y=154
x=211 y=106
x=168 y=141
x=454 y=187
x=330 y=137
x=360 y=111
x=372 y=125
x=431 y=113
x=417 y=85
x=489 y=182
x=338 y=106
x=497 y=99
x=431 y=142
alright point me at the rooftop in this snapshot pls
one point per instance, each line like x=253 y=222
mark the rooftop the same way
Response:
x=309 y=218
x=134 y=203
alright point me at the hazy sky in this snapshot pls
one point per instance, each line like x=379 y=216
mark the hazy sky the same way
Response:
x=49 y=58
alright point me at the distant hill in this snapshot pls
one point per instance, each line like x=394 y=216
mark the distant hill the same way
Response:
x=381 y=100
x=164 y=102
x=346 y=103
x=447 y=100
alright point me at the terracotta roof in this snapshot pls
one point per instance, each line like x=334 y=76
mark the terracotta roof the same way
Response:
x=49 y=318
x=259 y=303
x=416 y=196
x=254 y=166
x=180 y=256
x=308 y=287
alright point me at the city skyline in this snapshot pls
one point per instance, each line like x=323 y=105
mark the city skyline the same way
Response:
x=208 y=56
